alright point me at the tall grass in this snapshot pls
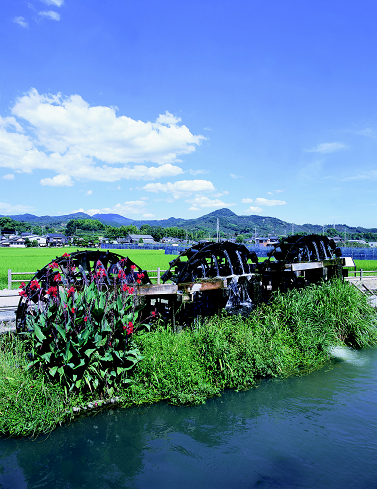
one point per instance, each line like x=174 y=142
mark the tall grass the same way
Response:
x=290 y=336
x=29 y=404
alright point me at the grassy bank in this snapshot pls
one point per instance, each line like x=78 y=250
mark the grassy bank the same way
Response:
x=290 y=336
x=33 y=259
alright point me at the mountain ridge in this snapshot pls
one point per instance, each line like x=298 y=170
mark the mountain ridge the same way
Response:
x=229 y=222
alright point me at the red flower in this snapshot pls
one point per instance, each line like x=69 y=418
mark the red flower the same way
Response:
x=153 y=313
x=121 y=274
x=140 y=275
x=138 y=281
x=85 y=318
x=125 y=288
x=22 y=293
x=57 y=277
x=73 y=310
x=133 y=267
x=66 y=255
x=53 y=265
x=131 y=290
x=71 y=291
x=22 y=285
x=130 y=328
x=124 y=327
x=52 y=291
x=34 y=285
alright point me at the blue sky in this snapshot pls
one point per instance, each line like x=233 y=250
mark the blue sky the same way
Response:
x=165 y=108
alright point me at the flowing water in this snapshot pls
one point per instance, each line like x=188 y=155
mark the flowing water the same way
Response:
x=315 y=431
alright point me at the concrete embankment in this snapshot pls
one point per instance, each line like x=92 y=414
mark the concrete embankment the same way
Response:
x=8 y=305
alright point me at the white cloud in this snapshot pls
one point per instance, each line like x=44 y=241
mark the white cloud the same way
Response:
x=58 y=181
x=21 y=21
x=67 y=136
x=168 y=119
x=235 y=176
x=181 y=188
x=200 y=201
x=89 y=192
x=56 y=3
x=326 y=148
x=8 y=176
x=253 y=210
x=49 y=14
x=148 y=216
x=6 y=208
x=129 y=207
x=370 y=175
x=197 y=172
x=247 y=201
x=269 y=203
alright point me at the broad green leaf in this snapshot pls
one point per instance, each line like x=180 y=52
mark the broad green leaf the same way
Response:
x=38 y=332
x=61 y=331
x=47 y=356
x=89 y=351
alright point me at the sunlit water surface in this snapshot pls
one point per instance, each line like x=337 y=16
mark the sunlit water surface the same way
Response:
x=316 y=431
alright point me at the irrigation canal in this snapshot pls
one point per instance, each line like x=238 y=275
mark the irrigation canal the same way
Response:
x=315 y=431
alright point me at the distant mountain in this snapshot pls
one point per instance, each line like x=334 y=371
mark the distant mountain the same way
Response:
x=229 y=223
x=113 y=219
x=50 y=220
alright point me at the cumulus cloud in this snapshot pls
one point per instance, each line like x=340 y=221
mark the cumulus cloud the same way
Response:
x=49 y=14
x=89 y=192
x=200 y=201
x=148 y=216
x=168 y=119
x=21 y=21
x=247 y=201
x=67 y=136
x=8 y=176
x=129 y=207
x=327 y=148
x=253 y=210
x=235 y=176
x=267 y=202
x=56 y=3
x=58 y=181
x=181 y=188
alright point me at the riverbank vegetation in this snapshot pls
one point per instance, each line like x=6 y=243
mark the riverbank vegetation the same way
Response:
x=290 y=336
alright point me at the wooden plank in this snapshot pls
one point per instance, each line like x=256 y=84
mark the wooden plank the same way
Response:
x=155 y=289
x=201 y=286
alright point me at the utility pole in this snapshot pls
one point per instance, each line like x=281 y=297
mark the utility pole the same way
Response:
x=293 y=229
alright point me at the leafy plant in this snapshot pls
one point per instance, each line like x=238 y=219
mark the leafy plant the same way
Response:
x=83 y=337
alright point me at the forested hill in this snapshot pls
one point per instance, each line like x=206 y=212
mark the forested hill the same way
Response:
x=229 y=223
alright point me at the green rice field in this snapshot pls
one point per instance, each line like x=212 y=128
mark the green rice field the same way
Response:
x=32 y=259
